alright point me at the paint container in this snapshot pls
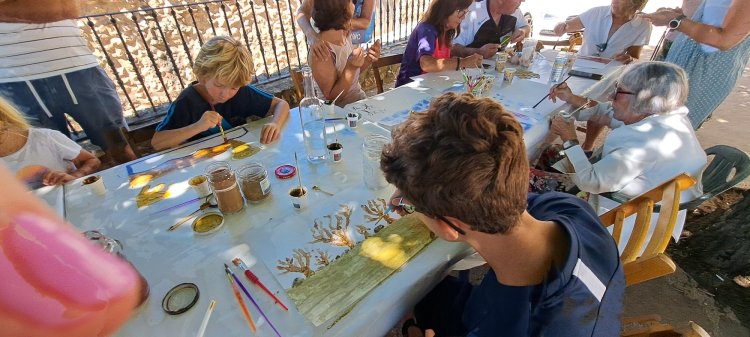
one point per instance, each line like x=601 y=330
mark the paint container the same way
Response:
x=299 y=197
x=208 y=223
x=336 y=150
x=224 y=184
x=501 y=58
x=95 y=184
x=352 y=118
x=255 y=183
x=510 y=73
x=200 y=185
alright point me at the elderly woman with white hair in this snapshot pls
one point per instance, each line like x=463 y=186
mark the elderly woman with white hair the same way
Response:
x=652 y=139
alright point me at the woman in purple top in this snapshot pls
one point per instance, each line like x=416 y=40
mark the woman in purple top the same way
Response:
x=429 y=46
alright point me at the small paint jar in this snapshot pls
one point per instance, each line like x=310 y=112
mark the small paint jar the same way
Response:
x=336 y=149
x=224 y=183
x=352 y=118
x=254 y=181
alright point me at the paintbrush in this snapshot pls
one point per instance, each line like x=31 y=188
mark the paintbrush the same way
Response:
x=547 y=95
x=254 y=279
x=299 y=176
x=252 y=300
x=239 y=299
x=206 y=317
x=221 y=128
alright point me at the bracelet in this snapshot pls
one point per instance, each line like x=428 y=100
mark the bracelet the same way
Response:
x=458 y=63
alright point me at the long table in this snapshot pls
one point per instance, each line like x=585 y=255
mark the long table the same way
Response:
x=268 y=231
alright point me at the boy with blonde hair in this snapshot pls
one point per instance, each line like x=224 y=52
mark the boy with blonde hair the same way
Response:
x=221 y=96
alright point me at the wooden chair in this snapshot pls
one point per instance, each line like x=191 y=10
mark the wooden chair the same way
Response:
x=384 y=62
x=299 y=88
x=652 y=263
x=651 y=326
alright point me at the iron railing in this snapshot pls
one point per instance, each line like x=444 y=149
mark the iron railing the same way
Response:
x=149 y=52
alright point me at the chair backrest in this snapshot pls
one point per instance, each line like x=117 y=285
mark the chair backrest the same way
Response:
x=728 y=167
x=299 y=89
x=641 y=264
x=384 y=62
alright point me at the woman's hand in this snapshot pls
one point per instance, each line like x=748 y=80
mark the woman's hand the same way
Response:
x=624 y=57
x=472 y=61
x=560 y=28
x=357 y=57
x=662 y=16
x=319 y=48
x=56 y=178
x=562 y=92
x=563 y=127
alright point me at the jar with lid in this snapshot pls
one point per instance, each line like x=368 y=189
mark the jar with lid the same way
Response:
x=254 y=181
x=224 y=184
x=114 y=247
x=372 y=149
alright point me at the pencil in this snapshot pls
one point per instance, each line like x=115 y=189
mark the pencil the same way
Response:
x=206 y=317
x=252 y=300
x=254 y=279
x=239 y=299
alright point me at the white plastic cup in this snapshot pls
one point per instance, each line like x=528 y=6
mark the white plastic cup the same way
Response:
x=95 y=184
x=298 y=201
x=200 y=185
x=336 y=151
x=352 y=118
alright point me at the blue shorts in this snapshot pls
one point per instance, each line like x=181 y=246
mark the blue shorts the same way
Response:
x=90 y=98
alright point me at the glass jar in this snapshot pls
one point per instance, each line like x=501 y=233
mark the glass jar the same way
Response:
x=224 y=183
x=254 y=181
x=372 y=149
x=114 y=247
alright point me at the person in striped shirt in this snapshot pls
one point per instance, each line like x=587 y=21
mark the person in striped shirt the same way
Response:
x=47 y=71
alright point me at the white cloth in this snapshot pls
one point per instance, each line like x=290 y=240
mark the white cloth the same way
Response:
x=476 y=17
x=640 y=156
x=712 y=12
x=598 y=21
x=340 y=58
x=34 y=51
x=44 y=150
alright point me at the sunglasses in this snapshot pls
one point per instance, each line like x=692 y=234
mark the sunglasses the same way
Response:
x=601 y=47
x=409 y=209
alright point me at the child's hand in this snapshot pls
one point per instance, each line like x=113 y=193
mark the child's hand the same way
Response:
x=357 y=58
x=209 y=120
x=270 y=133
x=373 y=53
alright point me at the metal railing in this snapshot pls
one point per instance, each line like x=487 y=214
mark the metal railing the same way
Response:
x=149 y=52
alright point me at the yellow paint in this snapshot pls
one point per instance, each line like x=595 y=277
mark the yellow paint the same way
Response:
x=388 y=252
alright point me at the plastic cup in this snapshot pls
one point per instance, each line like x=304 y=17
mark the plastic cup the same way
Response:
x=501 y=58
x=352 y=118
x=200 y=185
x=299 y=200
x=336 y=149
x=95 y=184
x=509 y=74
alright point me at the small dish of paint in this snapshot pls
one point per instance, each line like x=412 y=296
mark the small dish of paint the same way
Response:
x=208 y=223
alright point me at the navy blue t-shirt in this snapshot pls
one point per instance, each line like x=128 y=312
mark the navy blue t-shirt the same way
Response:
x=583 y=298
x=249 y=102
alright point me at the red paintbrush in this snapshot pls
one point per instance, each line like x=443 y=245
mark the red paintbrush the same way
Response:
x=254 y=279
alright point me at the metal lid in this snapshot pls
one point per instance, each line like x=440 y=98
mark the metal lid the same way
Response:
x=208 y=223
x=285 y=171
x=180 y=298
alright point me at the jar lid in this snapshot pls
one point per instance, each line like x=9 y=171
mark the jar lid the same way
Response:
x=180 y=298
x=208 y=223
x=285 y=171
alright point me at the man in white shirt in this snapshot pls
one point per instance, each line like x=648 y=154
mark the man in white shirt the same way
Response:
x=488 y=26
x=48 y=71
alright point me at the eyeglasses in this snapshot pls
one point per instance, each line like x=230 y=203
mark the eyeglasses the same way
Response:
x=618 y=91
x=601 y=47
x=462 y=12
x=409 y=209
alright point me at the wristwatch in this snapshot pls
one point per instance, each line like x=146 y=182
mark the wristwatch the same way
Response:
x=569 y=143
x=676 y=22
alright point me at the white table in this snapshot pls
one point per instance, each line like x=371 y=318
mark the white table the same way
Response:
x=265 y=231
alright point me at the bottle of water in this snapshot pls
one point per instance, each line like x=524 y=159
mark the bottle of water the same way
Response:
x=313 y=123
x=558 y=68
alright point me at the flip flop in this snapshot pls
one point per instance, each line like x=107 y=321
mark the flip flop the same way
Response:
x=408 y=324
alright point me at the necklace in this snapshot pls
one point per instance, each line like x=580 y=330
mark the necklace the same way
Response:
x=11 y=141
